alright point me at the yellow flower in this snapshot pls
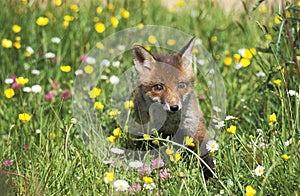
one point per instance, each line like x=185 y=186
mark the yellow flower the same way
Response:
x=117 y=132
x=98 y=105
x=99 y=45
x=171 y=42
x=9 y=93
x=170 y=151
x=286 y=157
x=214 y=38
x=114 y=21
x=146 y=136
x=189 y=141
x=152 y=39
x=88 y=69
x=277 y=82
x=245 y=62
x=232 y=129
x=114 y=113
x=147 y=180
x=298 y=3
x=22 y=81
x=111 y=7
x=6 y=43
x=237 y=58
x=269 y=37
x=111 y=139
x=288 y=14
x=99 y=10
x=180 y=3
x=57 y=2
x=17 y=44
x=147 y=47
x=272 y=118
x=177 y=157
x=65 y=68
x=24 y=117
x=16 y=28
x=42 y=21
x=227 y=61
x=95 y=92
x=277 y=19
x=253 y=51
x=156 y=142
x=99 y=27
x=263 y=9
x=68 y=18
x=52 y=136
x=140 y=25
x=250 y=191
x=74 y=7
x=128 y=105
x=124 y=13
x=108 y=177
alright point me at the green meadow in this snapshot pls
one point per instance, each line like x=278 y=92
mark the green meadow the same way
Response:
x=45 y=48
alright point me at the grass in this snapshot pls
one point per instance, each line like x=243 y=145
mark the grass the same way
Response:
x=49 y=156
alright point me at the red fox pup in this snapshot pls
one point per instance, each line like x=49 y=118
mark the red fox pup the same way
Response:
x=167 y=80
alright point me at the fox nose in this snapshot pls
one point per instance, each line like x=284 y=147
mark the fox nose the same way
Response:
x=174 y=108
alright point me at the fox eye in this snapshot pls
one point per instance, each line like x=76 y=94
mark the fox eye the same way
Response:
x=181 y=85
x=158 y=87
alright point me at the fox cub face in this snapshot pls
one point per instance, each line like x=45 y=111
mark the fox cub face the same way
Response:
x=165 y=78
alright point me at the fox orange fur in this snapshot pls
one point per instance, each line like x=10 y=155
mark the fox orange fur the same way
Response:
x=167 y=80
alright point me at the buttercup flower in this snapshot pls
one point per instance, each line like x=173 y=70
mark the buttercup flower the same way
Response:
x=175 y=158
x=16 y=28
x=189 y=141
x=99 y=27
x=65 y=68
x=108 y=177
x=42 y=21
x=152 y=39
x=286 y=157
x=114 y=21
x=227 y=61
x=250 y=191
x=98 y=105
x=9 y=93
x=121 y=185
x=24 y=117
x=117 y=132
x=95 y=92
x=6 y=43
x=259 y=170
x=22 y=81
x=128 y=105
x=114 y=113
x=277 y=19
x=232 y=129
x=272 y=118
x=111 y=139
x=124 y=13
x=277 y=82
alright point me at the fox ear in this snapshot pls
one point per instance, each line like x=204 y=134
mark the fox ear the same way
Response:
x=142 y=59
x=186 y=53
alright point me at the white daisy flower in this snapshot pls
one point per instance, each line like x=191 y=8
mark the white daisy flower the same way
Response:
x=38 y=131
x=114 y=79
x=121 y=185
x=135 y=164
x=259 y=170
x=36 y=88
x=35 y=72
x=90 y=60
x=49 y=55
x=288 y=142
x=212 y=146
x=117 y=150
x=9 y=81
x=261 y=74
x=78 y=72
x=105 y=62
x=29 y=50
x=231 y=118
x=27 y=89
x=55 y=40
x=116 y=64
